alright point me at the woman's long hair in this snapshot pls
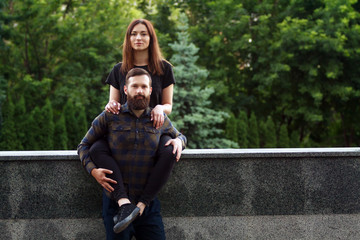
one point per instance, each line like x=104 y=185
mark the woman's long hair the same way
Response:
x=155 y=65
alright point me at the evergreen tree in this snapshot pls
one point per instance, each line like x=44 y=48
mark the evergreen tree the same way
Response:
x=253 y=134
x=242 y=130
x=192 y=114
x=2 y=98
x=8 y=137
x=82 y=124
x=295 y=139
x=262 y=130
x=46 y=123
x=71 y=125
x=21 y=125
x=60 y=134
x=284 y=141
x=269 y=133
x=33 y=129
x=231 y=128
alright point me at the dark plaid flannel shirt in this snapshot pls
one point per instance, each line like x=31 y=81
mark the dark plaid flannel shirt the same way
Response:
x=133 y=142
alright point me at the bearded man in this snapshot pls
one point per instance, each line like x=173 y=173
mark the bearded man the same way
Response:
x=133 y=142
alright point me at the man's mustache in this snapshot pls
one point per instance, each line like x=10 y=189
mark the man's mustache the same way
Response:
x=139 y=96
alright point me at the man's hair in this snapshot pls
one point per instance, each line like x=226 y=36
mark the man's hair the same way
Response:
x=137 y=72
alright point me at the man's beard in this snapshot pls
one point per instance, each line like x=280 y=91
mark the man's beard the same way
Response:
x=136 y=103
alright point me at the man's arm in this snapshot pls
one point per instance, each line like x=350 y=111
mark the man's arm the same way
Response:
x=97 y=130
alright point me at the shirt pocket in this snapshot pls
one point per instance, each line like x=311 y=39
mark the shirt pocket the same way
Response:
x=151 y=138
x=121 y=137
x=121 y=128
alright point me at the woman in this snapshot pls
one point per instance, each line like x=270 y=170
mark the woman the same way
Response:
x=141 y=50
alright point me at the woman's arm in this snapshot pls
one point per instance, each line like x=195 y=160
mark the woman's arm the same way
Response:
x=157 y=114
x=113 y=105
x=167 y=99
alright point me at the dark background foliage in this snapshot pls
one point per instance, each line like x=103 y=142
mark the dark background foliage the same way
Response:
x=250 y=74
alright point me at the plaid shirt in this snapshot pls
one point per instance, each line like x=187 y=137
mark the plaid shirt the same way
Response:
x=133 y=142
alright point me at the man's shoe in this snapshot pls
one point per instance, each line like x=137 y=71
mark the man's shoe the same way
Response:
x=127 y=213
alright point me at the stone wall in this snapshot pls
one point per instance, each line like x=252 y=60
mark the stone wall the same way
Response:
x=212 y=194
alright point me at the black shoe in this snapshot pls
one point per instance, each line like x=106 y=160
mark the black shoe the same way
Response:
x=127 y=213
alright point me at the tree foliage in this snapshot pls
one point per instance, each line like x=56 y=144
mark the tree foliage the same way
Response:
x=60 y=134
x=253 y=133
x=60 y=51
x=8 y=138
x=243 y=130
x=269 y=133
x=21 y=118
x=231 y=128
x=292 y=60
x=284 y=141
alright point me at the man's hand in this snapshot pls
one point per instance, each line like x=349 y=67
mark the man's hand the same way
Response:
x=157 y=115
x=177 y=147
x=100 y=175
x=141 y=206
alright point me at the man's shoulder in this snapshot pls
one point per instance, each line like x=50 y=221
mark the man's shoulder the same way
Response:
x=107 y=116
x=124 y=108
x=167 y=121
x=102 y=115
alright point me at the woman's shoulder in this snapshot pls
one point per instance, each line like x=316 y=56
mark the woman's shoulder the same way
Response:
x=115 y=76
x=167 y=67
x=117 y=68
x=166 y=64
x=118 y=65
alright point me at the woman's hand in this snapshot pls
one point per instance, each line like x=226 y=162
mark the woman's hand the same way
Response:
x=141 y=206
x=113 y=107
x=100 y=175
x=157 y=115
x=177 y=147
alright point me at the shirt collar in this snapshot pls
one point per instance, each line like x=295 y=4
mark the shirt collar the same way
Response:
x=125 y=108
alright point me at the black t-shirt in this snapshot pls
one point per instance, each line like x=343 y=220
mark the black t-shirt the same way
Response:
x=117 y=79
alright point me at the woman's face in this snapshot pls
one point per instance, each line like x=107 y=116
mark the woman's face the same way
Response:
x=139 y=37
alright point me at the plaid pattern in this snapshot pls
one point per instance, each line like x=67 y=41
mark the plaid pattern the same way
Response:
x=133 y=142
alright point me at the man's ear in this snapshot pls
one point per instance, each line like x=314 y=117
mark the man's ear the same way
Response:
x=125 y=89
x=150 y=90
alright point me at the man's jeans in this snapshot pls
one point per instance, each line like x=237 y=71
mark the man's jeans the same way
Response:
x=147 y=226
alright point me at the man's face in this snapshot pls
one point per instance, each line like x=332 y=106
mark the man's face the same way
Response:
x=138 y=92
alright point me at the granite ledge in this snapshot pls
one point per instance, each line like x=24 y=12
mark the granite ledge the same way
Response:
x=199 y=153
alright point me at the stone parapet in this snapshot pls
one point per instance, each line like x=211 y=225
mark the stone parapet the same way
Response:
x=212 y=194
